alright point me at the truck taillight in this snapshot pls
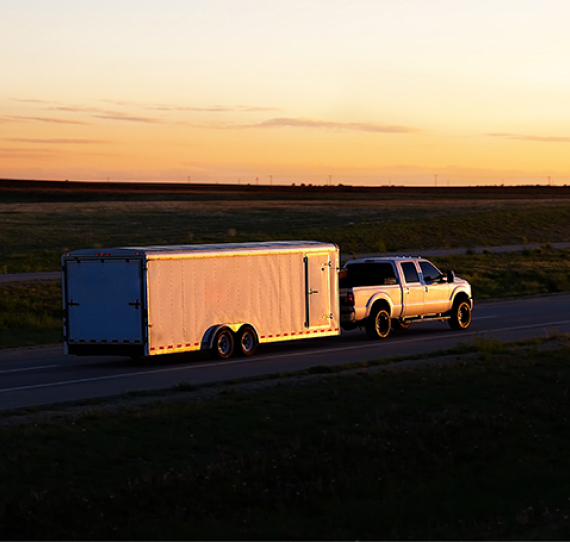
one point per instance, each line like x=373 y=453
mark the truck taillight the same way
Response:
x=64 y=314
x=350 y=299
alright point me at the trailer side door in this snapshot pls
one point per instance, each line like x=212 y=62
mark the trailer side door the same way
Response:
x=318 y=297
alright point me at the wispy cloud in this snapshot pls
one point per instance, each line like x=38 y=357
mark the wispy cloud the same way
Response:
x=215 y=108
x=75 y=109
x=26 y=154
x=540 y=139
x=114 y=115
x=57 y=141
x=31 y=101
x=49 y=119
x=329 y=125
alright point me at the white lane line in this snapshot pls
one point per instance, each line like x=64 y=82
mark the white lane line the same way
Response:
x=27 y=369
x=264 y=358
x=484 y=318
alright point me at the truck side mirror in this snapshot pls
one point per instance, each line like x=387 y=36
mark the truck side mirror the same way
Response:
x=450 y=276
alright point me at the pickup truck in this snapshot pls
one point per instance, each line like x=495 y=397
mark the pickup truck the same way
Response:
x=380 y=293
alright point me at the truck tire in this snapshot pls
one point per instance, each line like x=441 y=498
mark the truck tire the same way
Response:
x=223 y=346
x=460 y=316
x=247 y=341
x=378 y=323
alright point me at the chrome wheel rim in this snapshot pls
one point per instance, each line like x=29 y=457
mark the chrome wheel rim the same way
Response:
x=464 y=316
x=382 y=324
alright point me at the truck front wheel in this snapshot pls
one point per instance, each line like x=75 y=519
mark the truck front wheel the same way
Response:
x=460 y=316
x=378 y=323
x=223 y=346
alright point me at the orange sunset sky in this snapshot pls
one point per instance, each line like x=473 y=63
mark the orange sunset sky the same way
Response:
x=366 y=91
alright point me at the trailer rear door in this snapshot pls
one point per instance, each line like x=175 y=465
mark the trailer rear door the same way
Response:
x=104 y=300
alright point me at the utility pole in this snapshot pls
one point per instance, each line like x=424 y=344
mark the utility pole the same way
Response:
x=271 y=180
x=435 y=179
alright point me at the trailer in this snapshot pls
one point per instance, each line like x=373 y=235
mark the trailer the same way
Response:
x=225 y=298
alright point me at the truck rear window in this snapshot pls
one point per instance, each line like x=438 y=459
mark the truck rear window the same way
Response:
x=367 y=274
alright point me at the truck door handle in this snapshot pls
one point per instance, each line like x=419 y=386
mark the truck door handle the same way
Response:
x=426 y=289
x=406 y=290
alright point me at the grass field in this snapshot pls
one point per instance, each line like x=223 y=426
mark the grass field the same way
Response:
x=33 y=235
x=473 y=450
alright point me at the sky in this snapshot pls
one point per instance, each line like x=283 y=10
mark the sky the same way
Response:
x=366 y=92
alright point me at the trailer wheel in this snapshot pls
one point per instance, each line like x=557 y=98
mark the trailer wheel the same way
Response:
x=460 y=316
x=223 y=344
x=378 y=323
x=247 y=341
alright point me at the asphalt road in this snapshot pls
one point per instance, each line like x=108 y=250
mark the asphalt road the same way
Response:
x=36 y=376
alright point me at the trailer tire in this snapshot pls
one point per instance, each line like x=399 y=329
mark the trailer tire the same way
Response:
x=460 y=316
x=246 y=341
x=378 y=323
x=223 y=346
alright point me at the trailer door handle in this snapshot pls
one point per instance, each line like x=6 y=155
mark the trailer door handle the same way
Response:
x=137 y=304
x=311 y=291
x=72 y=304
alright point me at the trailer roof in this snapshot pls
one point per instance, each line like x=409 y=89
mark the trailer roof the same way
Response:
x=180 y=250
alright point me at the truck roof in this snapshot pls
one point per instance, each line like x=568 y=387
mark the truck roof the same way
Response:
x=190 y=250
x=386 y=259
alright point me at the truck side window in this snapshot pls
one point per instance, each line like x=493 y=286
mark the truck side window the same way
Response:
x=430 y=272
x=410 y=272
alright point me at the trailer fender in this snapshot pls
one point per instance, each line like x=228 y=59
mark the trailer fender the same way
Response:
x=208 y=339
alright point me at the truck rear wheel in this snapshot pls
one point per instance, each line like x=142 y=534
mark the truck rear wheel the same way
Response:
x=378 y=323
x=460 y=316
x=247 y=341
x=223 y=346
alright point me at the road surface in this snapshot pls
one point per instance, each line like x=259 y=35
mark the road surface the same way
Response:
x=35 y=376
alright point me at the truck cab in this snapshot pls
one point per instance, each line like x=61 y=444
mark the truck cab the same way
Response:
x=380 y=293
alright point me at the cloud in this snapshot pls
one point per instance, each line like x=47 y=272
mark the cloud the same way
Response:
x=57 y=141
x=540 y=139
x=26 y=153
x=328 y=125
x=50 y=119
x=32 y=101
x=214 y=108
x=75 y=109
x=113 y=115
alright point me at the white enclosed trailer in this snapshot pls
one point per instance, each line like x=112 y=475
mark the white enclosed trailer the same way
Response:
x=222 y=297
